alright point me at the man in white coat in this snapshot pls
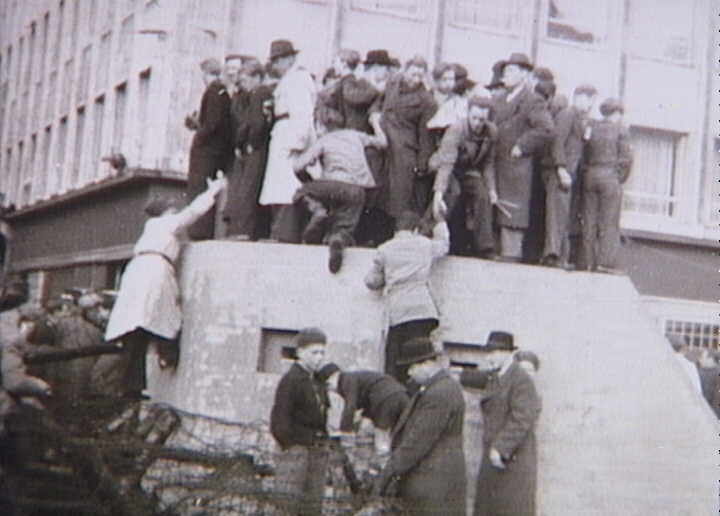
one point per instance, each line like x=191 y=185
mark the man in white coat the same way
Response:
x=292 y=133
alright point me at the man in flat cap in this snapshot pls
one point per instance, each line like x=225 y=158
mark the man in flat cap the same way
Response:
x=427 y=462
x=511 y=407
x=211 y=148
x=298 y=422
x=466 y=159
x=293 y=132
x=524 y=127
x=608 y=161
x=560 y=175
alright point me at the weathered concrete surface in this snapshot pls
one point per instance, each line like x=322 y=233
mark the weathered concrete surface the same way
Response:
x=621 y=432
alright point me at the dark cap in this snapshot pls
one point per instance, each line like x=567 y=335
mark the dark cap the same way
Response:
x=500 y=341
x=327 y=371
x=159 y=205
x=377 y=57
x=281 y=48
x=308 y=336
x=496 y=81
x=610 y=106
x=417 y=350
x=585 y=89
x=519 y=59
x=543 y=74
x=211 y=66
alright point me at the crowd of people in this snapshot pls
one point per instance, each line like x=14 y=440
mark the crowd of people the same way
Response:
x=521 y=173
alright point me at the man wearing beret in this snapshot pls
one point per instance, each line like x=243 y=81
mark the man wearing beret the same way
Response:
x=609 y=159
x=560 y=175
x=211 y=148
x=292 y=133
x=298 y=422
x=524 y=127
x=511 y=407
x=427 y=462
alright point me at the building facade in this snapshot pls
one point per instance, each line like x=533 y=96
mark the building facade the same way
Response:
x=83 y=79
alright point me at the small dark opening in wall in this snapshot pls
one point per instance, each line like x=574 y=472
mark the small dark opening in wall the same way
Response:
x=464 y=354
x=277 y=350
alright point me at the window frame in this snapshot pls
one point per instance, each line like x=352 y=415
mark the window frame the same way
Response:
x=420 y=17
x=632 y=51
x=602 y=44
x=515 y=32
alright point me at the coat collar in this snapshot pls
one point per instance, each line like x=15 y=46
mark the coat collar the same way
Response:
x=440 y=375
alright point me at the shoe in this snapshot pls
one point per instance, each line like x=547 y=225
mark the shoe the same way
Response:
x=610 y=270
x=336 y=254
x=551 y=260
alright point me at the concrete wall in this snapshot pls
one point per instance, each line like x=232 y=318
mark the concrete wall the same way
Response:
x=621 y=431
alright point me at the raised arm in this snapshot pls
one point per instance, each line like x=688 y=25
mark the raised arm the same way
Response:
x=199 y=206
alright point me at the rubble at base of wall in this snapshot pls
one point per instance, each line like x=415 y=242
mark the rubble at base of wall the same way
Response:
x=151 y=459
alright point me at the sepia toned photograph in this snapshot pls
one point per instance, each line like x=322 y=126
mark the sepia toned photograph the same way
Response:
x=359 y=257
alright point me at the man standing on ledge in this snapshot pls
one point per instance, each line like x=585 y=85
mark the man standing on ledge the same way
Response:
x=524 y=127
x=211 y=148
x=293 y=133
x=299 y=424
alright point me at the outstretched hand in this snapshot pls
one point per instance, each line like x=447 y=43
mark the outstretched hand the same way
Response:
x=439 y=208
x=217 y=184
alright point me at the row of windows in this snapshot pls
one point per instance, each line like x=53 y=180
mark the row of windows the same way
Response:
x=41 y=167
x=579 y=22
x=696 y=334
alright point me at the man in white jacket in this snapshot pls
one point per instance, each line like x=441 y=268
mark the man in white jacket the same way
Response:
x=293 y=132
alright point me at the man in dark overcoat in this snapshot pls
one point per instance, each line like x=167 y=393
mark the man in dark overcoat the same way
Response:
x=407 y=106
x=510 y=406
x=524 y=127
x=427 y=462
x=560 y=174
x=298 y=422
x=251 y=140
x=211 y=148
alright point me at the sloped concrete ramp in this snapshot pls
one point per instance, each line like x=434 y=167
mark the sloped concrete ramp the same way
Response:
x=621 y=431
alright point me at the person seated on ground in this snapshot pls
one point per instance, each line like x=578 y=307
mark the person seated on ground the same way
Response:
x=402 y=267
x=465 y=165
x=379 y=397
x=529 y=361
x=338 y=196
x=147 y=308
x=35 y=335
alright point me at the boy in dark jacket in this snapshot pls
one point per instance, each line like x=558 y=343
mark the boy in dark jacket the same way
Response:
x=298 y=423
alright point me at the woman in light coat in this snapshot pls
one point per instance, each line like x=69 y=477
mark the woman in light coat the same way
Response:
x=147 y=308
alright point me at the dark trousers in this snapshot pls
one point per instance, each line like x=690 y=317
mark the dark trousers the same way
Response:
x=136 y=344
x=344 y=203
x=397 y=336
x=287 y=223
x=478 y=213
x=300 y=474
x=243 y=192
x=602 y=200
x=204 y=163
x=534 y=239
x=557 y=216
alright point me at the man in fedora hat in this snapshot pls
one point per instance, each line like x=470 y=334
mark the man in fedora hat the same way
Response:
x=608 y=160
x=298 y=422
x=427 y=461
x=496 y=87
x=211 y=148
x=511 y=407
x=293 y=132
x=524 y=128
